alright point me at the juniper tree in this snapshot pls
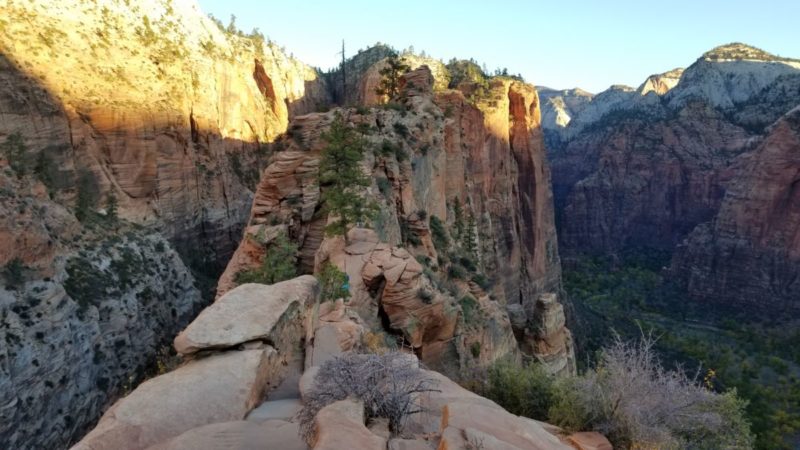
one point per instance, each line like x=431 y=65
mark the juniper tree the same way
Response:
x=390 y=81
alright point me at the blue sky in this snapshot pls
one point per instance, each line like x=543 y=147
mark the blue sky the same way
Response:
x=558 y=43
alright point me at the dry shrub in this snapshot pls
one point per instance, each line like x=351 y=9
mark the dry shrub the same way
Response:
x=388 y=384
x=637 y=403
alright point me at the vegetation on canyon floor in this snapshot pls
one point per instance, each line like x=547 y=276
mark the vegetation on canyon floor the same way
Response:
x=761 y=361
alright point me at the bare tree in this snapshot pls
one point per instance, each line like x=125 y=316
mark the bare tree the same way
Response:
x=389 y=385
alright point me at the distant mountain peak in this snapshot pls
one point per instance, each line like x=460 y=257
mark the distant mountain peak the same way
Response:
x=738 y=51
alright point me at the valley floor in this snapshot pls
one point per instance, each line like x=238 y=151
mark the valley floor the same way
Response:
x=760 y=360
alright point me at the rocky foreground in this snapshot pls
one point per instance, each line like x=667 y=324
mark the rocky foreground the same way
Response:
x=249 y=360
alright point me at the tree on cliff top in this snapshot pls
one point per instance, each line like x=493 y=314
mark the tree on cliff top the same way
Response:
x=390 y=81
x=341 y=174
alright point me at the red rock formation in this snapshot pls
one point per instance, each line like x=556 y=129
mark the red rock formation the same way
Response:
x=643 y=182
x=180 y=146
x=476 y=168
x=747 y=258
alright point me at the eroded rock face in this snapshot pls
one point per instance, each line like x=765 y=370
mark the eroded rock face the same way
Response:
x=87 y=315
x=480 y=169
x=151 y=102
x=747 y=258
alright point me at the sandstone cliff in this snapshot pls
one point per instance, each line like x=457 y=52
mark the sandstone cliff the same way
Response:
x=747 y=258
x=644 y=167
x=464 y=238
x=161 y=106
x=235 y=388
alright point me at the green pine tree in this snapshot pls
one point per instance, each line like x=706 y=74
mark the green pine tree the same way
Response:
x=343 y=178
x=390 y=81
x=279 y=263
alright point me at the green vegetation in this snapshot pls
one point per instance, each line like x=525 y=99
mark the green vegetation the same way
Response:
x=87 y=194
x=279 y=263
x=112 y=206
x=469 y=308
x=342 y=177
x=390 y=76
x=14 y=274
x=523 y=389
x=14 y=150
x=760 y=361
x=333 y=283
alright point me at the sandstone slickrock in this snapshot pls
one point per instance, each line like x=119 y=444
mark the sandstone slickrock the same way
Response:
x=239 y=435
x=219 y=388
x=747 y=258
x=201 y=405
x=479 y=422
x=250 y=312
x=341 y=425
x=477 y=165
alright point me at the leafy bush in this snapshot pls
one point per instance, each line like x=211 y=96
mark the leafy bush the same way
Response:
x=525 y=390
x=333 y=283
x=389 y=386
x=468 y=308
x=279 y=263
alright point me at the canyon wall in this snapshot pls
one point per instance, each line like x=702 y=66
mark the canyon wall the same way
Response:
x=149 y=123
x=747 y=258
x=643 y=167
x=463 y=248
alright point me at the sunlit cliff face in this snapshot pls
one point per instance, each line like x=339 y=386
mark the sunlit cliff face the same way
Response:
x=163 y=107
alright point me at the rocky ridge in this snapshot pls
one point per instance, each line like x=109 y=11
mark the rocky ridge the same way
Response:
x=430 y=162
x=204 y=404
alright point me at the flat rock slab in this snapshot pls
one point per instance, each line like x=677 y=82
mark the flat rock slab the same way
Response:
x=246 y=313
x=340 y=425
x=276 y=409
x=239 y=435
x=219 y=388
x=326 y=346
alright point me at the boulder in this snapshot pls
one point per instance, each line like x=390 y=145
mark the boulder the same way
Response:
x=251 y=312
x=218 y=388
x=340 y=425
